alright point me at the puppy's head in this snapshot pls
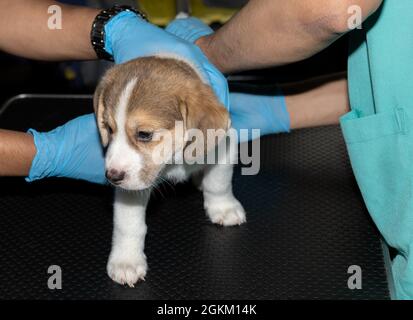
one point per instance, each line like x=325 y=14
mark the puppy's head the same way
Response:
x=138 y=106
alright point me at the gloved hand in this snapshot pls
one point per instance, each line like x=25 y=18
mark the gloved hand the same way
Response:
x=248 y=111
x=189 y=29
x=128 y=36
x=267 y=113
x=73 y=150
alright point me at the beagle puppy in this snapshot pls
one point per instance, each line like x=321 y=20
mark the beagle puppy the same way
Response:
x=147 y=111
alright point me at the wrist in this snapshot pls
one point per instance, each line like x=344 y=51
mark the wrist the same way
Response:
x=42 y=164
x=206 y=44
x=81 y=19
x=117 y=27
x=17 y=151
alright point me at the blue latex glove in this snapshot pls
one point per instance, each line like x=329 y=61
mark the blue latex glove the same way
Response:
x=189 y=29
x=128 y=36
x=73 y=150
x=248 y=111
x=267 y=113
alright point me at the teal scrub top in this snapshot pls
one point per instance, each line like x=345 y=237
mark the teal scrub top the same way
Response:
x=379 y=129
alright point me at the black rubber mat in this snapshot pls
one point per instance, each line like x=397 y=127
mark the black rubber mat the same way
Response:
x=306 y=225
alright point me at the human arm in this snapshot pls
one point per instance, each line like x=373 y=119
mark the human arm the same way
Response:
x=315 y=102
x=17 y=151
x=73 y=150
x=278 y=32
x=24 y=30
x=311 y=103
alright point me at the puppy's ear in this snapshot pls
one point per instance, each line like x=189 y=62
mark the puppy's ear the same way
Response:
x=201 y=110
x=99 y=106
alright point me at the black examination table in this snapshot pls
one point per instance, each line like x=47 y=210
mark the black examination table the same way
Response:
x=306 y=226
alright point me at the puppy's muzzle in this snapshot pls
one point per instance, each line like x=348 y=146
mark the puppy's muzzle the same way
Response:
x=115 y=176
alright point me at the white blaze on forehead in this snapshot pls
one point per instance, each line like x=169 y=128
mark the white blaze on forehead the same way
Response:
x=121 y=156
x=123 y=103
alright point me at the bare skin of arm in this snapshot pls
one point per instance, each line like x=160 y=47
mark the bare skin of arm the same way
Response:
x=24 y=30
x=317 y=102
x=277 y=32
x=17 y=151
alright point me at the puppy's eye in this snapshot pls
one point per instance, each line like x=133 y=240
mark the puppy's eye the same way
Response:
x=144 y=136
x=110 y=130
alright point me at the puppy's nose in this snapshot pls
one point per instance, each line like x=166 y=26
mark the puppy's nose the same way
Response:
x=115 y=176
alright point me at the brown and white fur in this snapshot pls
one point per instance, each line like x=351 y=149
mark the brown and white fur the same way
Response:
x=136 y=101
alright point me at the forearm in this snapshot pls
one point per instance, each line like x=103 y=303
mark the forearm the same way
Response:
x=277 y=32
x=318 y=102
x=24 y=30
x=17 y=151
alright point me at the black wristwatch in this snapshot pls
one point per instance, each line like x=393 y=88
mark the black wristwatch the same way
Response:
x=97 y=34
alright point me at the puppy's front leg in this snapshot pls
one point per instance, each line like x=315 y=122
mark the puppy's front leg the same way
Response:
x=127 y=260
x=219 y=201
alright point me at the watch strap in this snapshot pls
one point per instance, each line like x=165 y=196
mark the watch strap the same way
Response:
x=97 y=34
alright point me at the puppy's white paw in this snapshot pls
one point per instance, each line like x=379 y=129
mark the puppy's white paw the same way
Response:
x=228 y=213
x=127 y=271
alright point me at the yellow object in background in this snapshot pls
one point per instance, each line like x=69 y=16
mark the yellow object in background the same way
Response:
x=161 y=12
x=69 y=73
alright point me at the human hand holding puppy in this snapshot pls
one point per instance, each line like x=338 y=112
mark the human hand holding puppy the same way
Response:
x=128 y=36
x=62 y=152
